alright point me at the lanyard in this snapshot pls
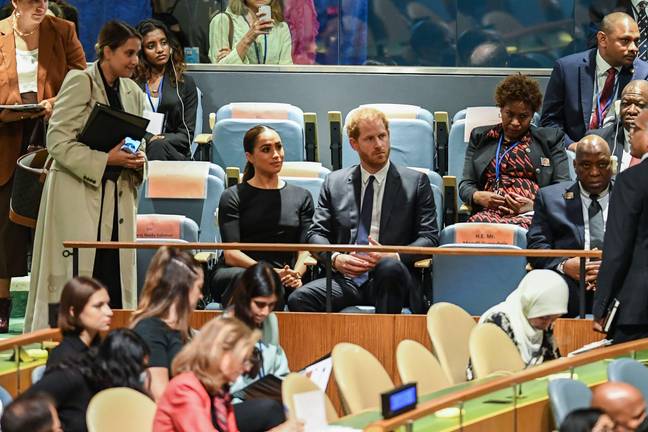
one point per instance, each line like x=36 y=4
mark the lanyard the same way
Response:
x=148 y=94
x=261 y=368
x=500 y=157
x=603 y=110
x=256 y=47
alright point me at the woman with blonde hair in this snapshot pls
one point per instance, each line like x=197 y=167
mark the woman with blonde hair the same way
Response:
x=172 y=287
x=242 y=34
x=198 y=398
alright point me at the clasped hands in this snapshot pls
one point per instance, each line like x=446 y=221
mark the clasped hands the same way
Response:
x=289 y=277
x=571 y=268
x=508 y=203
x=355 y=263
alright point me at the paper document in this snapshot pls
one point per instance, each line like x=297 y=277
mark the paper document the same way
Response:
x=480 y=116
x=590 y=346
x=156 y=123
x=311 y=409
x=319 y=372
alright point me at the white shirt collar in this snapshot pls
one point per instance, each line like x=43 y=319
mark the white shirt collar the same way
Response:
x=586 y=194
x=645 y=155
x=380 y=175
x=602 y=66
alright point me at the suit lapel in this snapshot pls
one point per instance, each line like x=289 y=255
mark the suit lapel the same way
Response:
x=587 y=72
x=124 y=96
x=98 y=89
x=354 y=187
x=574 y=210
x=392 y=189
x=8 y=52
x=46 y=53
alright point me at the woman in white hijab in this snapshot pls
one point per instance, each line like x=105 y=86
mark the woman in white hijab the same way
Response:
x=528 y=313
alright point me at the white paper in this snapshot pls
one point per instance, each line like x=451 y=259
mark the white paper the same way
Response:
x=310 y=408
x=320 y=372
x=480 y=116
x=156 y=123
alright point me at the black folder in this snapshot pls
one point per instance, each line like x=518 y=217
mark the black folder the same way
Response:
x=106 y=127
x=268 y=387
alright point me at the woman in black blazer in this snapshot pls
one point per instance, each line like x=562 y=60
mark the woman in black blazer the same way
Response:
x=507 y=163
x=168 y=90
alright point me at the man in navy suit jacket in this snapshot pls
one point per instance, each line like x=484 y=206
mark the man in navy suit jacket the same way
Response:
x=560 y=218
x=578 y=79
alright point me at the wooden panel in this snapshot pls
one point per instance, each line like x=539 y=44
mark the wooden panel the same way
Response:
x=571 y=334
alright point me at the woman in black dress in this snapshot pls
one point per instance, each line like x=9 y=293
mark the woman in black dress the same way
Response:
x=169 y=91
x=172 y=287
x=84 y=311
x=262 y=209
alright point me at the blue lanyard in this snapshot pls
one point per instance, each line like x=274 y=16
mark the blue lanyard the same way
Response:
x=148 y=94
x=261 y=368
x=256 y=47
x=499 y=158
x=600 y=111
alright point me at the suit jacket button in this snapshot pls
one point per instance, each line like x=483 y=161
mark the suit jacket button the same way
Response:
x=537 y=170
x=121 y=193
x=121 y=220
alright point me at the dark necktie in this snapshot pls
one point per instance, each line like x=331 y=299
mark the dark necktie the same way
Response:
x=603 y=101
x=642 y=22
x=364 y=227
x=596 y=224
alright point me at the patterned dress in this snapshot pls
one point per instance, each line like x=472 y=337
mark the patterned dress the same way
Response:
x=517 y=175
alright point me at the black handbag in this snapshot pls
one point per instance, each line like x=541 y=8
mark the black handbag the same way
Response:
x=27 y=188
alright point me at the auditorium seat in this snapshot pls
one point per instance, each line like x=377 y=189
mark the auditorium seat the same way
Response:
x=360 y=377
x=411 y=131
x=198 y=127
x=185 y=188
x=571 y=156
x=153 y=228
x=477 y=282
x=308 y=175
x=5 y=397
x=492 y=351
x=120 y=409
x=629 y=371
x=233 y=120
x=37 y=373
x=567 y=395
x=449 y=329
x=417 y=364
x=296 y=383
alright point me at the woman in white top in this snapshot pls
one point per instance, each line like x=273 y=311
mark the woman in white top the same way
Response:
x=36 y=51
x=255 y=40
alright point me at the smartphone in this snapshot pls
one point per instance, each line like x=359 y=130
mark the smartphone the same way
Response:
x=266 y=13
x=131 y=145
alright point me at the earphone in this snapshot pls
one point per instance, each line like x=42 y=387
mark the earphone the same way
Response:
x=177 y=87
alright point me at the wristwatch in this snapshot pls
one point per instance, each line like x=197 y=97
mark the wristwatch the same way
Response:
x=333 y=258
x=561 y=267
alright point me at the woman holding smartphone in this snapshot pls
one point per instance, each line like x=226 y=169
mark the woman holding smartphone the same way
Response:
x=250 y=32
x=89 y=195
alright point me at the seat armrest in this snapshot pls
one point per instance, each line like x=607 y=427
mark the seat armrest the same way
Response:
x=424 y=263
x=450 y=200
x=203 y=139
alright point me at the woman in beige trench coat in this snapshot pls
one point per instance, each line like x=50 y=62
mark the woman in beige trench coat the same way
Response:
x=79 y=191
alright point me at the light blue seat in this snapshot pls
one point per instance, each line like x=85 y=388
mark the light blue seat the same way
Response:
x=235 y=119
x=308 y=175
x=571 y=156
x=5 y=397
x=37 y=374
x=629 y=371
x=153 y=228
x=478 y=282
x=216 y=171
x=200 y=210
x=411 y=130
x=313 y=185
x=436 y=182
x=567 y=395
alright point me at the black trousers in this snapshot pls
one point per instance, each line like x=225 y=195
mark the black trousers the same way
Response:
x=626 y=333
x=224 y=282
x=573 y=305
x=258 y=415
x=388 y=289
x=161 y=149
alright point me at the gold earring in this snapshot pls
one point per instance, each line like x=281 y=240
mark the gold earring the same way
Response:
x=17 y=13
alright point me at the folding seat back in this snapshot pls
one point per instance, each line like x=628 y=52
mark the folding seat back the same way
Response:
x=477 y=282
x=493 y=352
x=411 y=136
x=567 y=395
x=199 y=121
x=629 y=371
x=184 y=188
x=235 y=119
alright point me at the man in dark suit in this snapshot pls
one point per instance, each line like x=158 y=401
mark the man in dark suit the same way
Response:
x=376 y=202
x=624 y=270
x=634 y=98
x=571 y=215
x=583 y=86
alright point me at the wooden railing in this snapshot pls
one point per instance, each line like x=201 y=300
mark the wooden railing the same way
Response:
x=325 y=252
x=562 y=364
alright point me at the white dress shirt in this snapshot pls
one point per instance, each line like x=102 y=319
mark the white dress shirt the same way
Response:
x=379 y=192
x=27 y=69
x=627 y=157
x=599 y=82
x=603 y=200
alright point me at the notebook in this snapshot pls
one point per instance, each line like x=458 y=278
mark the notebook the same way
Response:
x=106 y=127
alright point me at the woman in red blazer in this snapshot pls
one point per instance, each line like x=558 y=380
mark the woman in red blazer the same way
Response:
x=36 y=52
